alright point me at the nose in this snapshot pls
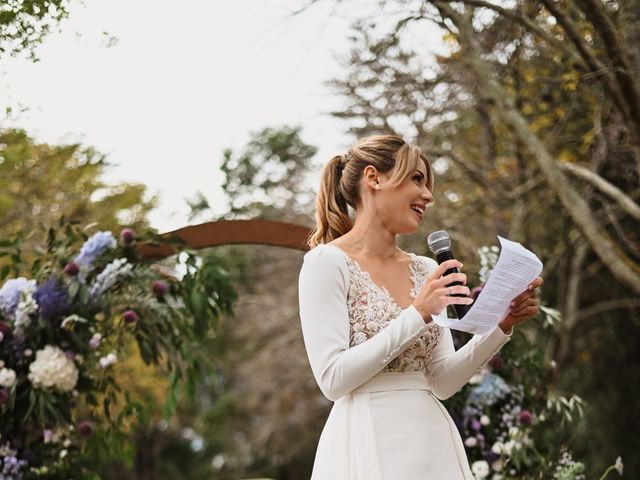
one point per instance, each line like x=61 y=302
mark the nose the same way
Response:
x=427 y=196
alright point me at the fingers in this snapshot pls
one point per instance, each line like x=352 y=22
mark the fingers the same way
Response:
x=451 y=278
x=456 y=290
x=536 y=283
x=529 y=305
x=443 y=267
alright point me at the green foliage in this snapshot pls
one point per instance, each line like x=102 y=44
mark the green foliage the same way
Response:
x=40 y=182
x=267 y=178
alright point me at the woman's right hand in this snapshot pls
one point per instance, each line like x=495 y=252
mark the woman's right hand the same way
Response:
x=435 y=295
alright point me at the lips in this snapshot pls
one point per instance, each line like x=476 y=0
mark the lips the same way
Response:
x=418 y=209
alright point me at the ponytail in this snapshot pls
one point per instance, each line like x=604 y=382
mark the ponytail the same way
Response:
x=332 y=211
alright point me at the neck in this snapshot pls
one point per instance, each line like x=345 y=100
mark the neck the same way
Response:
x=369 y=237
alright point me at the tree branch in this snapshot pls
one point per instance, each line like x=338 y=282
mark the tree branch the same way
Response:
x=613 y=192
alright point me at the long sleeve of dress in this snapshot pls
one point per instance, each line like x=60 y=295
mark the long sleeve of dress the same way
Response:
x=449 y=370
x=338 y=369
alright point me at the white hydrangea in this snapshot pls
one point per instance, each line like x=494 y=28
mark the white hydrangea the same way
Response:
x=52 y=369
x=108 y=277
x=485 y=420
x=7 y=377
x=25 y=308
x=480 y=469
x=471 y=441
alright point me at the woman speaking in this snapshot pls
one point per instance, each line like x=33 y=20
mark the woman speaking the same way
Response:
x=365 y=308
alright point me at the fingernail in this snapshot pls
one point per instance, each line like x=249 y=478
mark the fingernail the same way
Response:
x=530 y=287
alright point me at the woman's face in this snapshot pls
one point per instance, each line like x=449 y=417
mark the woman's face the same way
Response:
x=401 y=209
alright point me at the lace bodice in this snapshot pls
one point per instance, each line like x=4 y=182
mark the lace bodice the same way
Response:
x=371 y=308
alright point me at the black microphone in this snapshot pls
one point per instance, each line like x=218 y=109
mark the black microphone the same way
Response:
x=440 y=245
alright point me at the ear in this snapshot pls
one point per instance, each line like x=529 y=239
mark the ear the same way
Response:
x=371 y=177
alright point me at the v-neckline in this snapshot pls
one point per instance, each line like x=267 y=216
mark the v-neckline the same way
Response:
x=382 y=288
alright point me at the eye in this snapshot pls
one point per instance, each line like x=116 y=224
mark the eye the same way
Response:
x=418 y=177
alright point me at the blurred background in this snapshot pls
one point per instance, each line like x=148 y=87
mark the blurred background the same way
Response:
x=160 y=114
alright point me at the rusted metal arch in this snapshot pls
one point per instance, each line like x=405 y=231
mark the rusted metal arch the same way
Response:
x=225 y=232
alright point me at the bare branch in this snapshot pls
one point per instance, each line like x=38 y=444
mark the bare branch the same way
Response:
x=613 y=192
x=607 y=305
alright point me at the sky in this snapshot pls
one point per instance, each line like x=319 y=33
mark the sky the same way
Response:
x=163 y=86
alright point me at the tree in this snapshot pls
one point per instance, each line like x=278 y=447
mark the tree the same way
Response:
x=24 y=23
x=267 y=178
x=40 y=182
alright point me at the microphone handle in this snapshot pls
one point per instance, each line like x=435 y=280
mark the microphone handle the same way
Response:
x=442 y=256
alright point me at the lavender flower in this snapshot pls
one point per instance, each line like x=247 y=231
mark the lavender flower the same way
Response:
x=93 y=248
x=52 y=300
x=11 y=294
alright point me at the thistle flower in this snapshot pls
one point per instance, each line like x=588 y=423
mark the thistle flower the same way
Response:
x=130 y=316
x=128 y=235
x=159 y=288
x=71 y=269
x=93 y=248
x=85 y=429
x=526 y=418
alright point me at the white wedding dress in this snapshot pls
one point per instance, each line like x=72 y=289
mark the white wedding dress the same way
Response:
x=385 y=370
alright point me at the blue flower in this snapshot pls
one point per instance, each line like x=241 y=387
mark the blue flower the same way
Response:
x=93 y=248
x=52 y=300
x=490 y=389
x=10 y=294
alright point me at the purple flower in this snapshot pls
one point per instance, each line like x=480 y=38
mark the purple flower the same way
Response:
x=52 y=300
x=85 y=429
x=476 y=291
x=475 y=424
x=71 y=269
x=5 y=328
x=4 y=395
x=128 y=235
x=130 y=316
x=159 y=288
x=70 y=355
x=526 y=418
x=11 y=292
x=94 y=247
x=496 y=361
x=491 y=457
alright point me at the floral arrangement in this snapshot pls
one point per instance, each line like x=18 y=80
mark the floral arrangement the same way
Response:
x=64 y=326
x=513 y=430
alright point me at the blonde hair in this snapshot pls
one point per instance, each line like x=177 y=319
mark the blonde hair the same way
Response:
x=339 y=185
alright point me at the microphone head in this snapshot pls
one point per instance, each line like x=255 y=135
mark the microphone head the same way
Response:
x=439 y=241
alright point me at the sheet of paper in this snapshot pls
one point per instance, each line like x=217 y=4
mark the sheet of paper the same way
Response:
x=515 y=269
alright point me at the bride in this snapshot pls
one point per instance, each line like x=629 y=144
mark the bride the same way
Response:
x=365 y=309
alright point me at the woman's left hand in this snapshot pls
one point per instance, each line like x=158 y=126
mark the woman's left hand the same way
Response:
x=523 y=306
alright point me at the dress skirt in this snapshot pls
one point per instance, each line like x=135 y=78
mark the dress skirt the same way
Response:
x=390 y=428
